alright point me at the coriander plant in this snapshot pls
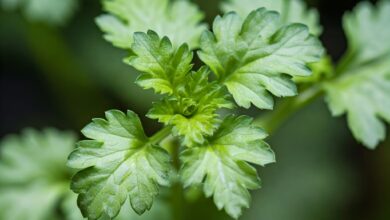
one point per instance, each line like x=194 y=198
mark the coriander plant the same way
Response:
x=259 y=54
x=248 y=58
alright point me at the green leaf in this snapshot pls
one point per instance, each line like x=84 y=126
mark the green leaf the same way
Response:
x=363 y=94
x=179 y=20
x=256 y=58
x=162 y=66
x=118 y=162
x=292 y=11
x=32 y=168
x=367 y=31
x=193 y=112
x=222 y=163
x=54 y=12
x=362 y=91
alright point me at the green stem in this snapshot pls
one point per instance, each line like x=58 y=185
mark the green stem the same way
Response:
x=160 y=135
x=345 y=62
x=178 y=200
x=177 y=195
x=270 y=122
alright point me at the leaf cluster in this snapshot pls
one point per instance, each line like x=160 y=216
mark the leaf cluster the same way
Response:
x=247 y=60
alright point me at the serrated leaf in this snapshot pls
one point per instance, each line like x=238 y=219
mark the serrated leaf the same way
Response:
x=192 y=113
x=32 y=168
x=363 y=94
x=222 y=164
x=179 y=20
x=292 y=11
x=367 y=31
x=255 y=58
x=162 y=66
x=118 y=162
x=362 y=91
x=54 y=12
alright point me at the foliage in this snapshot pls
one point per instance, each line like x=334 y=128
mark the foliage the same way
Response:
x=32 y=167
x=223 y=166
x=179 y=20
x=255 y=58
x=291 y=11
x=118 y=162
x=255 y=51
x=362 y=92
x=121 y=161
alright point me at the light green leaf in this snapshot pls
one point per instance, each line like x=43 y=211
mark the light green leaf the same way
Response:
x=256 y=58
x=162 y=66
x=362 y=91
x=55 y=12
x=32 y=168
x=368 y=32
x=179 y=20
x=222 y=164
x=363 y=94
x=193 y=112
x=292 y=11
x=118 y=162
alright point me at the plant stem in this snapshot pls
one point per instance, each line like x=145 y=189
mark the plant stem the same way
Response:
x=345 y=62
x=177 y=195
x=178 y=201
x=160 y=135
x=270 y=122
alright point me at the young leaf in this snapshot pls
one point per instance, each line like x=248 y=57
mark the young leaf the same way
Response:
x=292 y=11
x=179 y=20
x=222 y=163
x=193 y=113
x=54 y=12
x=162 y=66
x=256 y=57
x=363 y=94
x=118 y=162
x=363 y=90
x=367 y=31
x=32 y=168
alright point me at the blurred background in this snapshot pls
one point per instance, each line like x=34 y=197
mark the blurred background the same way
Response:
x=64 y=76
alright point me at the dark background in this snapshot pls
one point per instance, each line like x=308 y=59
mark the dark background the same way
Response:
x=321 y=171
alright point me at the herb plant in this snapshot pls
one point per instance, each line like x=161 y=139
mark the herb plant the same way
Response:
x=256 y=53
x=41 y=191
x=250 y=58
